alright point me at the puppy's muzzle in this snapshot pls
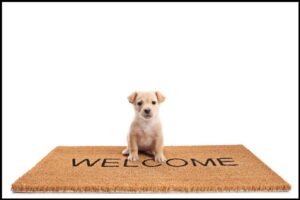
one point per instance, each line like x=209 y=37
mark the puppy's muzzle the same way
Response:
x=147 y=113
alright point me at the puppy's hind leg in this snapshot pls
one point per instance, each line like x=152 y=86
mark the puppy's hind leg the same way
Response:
x=125 y=152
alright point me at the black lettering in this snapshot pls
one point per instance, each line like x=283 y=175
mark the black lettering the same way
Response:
x=126 y=164
x=184 y=164
x=145 y=163
x=223 y=161
x=85 y=160
x=194 y=161
x=105 y=161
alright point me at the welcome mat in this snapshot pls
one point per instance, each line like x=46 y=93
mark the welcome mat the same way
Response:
x=188 y=169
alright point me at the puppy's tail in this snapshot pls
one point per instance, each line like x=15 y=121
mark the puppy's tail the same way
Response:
x=125 y=151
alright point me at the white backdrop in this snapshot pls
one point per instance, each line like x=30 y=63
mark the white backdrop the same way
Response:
x=229 y=72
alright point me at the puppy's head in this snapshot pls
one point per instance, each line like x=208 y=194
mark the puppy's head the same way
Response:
x=146 y=104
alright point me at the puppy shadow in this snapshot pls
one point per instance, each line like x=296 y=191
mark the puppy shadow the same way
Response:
x=145 y=153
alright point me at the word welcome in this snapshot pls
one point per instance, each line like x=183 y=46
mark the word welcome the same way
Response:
x=172 y=162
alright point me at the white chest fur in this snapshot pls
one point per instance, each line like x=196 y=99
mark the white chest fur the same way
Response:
x=147 y=134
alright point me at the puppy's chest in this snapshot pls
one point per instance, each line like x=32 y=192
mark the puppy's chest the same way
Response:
x=146 y=136
x=147 y=130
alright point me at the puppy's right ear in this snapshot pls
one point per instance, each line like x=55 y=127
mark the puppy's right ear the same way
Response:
x=132 y=97
x=160 y=97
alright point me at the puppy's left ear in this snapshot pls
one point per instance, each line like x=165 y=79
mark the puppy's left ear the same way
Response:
x=160 y=97
x=132 y=97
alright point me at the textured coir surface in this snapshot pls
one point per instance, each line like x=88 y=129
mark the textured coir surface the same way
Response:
x=188 y=169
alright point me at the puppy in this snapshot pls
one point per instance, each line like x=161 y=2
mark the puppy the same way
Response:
x=145 y=131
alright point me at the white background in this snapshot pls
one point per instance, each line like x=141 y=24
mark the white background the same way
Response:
x=229 y=72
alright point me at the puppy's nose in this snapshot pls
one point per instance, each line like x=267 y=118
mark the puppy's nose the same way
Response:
x=147 y=111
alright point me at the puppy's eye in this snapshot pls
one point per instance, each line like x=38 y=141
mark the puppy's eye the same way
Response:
x=153 y=102
x=140 y=103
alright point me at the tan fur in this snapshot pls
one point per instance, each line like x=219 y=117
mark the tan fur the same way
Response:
x=145 y=131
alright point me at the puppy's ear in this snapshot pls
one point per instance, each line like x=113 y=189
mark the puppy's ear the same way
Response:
x=132 y=97
x=160 y=97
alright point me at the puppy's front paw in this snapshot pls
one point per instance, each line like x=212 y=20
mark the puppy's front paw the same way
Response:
x=133 y=157
x=160 y=158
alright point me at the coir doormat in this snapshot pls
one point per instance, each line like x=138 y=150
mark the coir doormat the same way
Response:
x=188 y=169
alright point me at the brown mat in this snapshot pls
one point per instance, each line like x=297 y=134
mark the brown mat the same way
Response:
x=188 y=169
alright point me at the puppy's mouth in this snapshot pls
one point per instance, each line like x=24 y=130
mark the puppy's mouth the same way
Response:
x=147 y=116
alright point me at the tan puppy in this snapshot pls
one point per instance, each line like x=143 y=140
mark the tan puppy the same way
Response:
x=145 y=131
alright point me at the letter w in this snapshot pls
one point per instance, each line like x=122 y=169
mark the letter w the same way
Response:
x=85 y=160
